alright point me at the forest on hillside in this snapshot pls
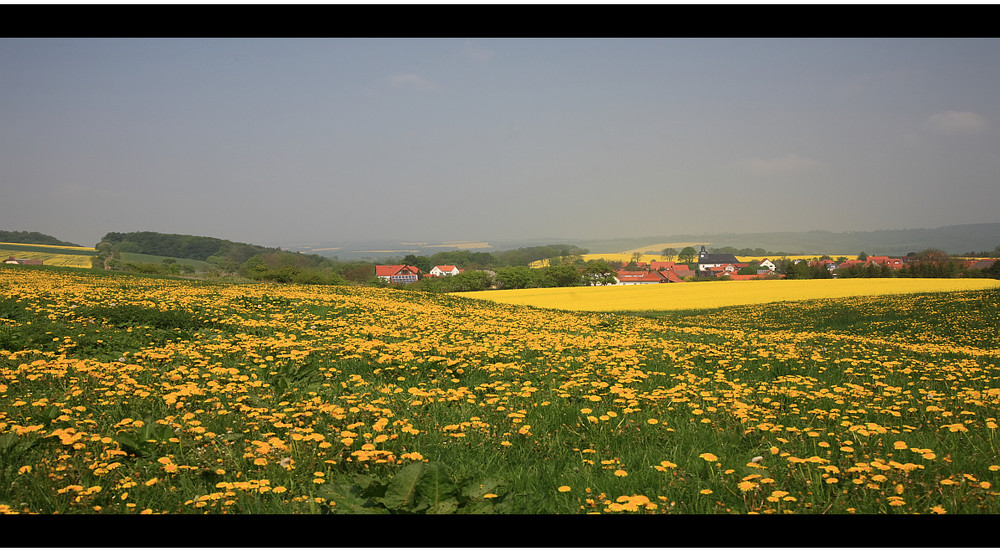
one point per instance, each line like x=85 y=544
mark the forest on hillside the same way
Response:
x=36 y=238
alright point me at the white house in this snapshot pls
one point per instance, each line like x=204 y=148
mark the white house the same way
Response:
x=766 y=263
x=444 y=270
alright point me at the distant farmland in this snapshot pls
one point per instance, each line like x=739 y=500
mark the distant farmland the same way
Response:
x=52 y=255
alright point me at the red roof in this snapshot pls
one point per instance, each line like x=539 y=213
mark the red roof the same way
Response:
x=639 y=276
x=392 y=270
x=671 y=276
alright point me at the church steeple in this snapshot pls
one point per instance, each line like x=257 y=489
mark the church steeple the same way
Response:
x=702 y=253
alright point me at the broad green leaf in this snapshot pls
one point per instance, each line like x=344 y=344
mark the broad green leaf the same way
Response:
x=447 y=506
x=435 y=485
x=347 y=499
x=401 y=492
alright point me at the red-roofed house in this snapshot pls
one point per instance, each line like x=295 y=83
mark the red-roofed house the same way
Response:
x=633 y=277
x=664 y=265
x=397 y=274
x=894 y=264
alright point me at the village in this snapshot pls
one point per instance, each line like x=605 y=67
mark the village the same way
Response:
x=708 y=266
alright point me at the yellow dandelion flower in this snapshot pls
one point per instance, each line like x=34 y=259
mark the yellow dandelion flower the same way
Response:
x=708 y=457
x=899 y=445
x=706 y=491
x=746 y=486
x=564 y=489
x=938 y=510
x=621 y=473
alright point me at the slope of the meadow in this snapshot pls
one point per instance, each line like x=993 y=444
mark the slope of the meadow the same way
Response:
x=123 y=394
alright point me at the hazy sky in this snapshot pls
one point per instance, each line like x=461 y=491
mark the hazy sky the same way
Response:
x=274 y=141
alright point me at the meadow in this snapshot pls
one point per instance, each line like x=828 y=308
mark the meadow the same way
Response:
x=126 y=394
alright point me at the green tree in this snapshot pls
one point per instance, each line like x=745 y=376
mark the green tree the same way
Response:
x=515 y=277
x=669 y=253
x=562 y=276
x=993 y=271
x=749 y=270
x=794 y=270
x=254 y=268
x=687 y=255
x=421 y=262
x=470 y=280
x=598 y=272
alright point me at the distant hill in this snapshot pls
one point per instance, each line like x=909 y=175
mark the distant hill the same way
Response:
x=182 y=246
x=955 y=239
x=20 y=236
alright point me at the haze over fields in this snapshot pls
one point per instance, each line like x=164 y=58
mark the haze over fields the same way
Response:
x=322 y=141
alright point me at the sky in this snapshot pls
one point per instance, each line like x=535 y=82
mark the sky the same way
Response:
x=279 y=141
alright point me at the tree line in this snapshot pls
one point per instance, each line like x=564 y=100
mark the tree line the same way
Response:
x=36 y=238
x=929 y=263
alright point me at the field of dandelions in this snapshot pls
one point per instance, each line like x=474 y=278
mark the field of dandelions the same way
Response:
x=125 y=394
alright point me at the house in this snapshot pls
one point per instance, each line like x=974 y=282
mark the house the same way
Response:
x=892 y=263
x=726 y=269
x=766 y=263
x=982 y=264
x=665 y=265
x=681 y=271
x=12 y=260
x=444 y=270
x=397 y=274
x=707 y=260
x=634 y=277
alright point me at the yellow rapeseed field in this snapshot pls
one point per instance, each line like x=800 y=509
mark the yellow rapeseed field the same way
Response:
x=695 y=295
x=50 y=259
